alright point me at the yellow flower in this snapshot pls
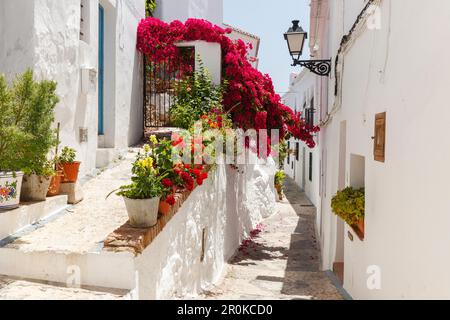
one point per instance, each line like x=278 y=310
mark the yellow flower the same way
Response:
x=153 y=139
x=146 y=148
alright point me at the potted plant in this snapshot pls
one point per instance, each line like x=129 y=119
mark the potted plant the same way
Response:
x=143 y=194
x=55 y=183
x=36 y=182
x=349 y=204
x=26 y=134
x=68 y=165
x=11 y=141
x=280 y=176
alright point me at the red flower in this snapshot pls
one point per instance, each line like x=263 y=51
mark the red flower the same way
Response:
x=170 y=199
x=250 y=97
x=167 y=183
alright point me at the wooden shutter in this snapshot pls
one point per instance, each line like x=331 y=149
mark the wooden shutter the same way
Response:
x=380 y=137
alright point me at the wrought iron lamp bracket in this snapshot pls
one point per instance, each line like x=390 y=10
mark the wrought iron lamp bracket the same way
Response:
x=319 y=67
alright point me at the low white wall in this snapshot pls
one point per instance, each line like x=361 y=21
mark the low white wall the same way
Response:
x=229 y=205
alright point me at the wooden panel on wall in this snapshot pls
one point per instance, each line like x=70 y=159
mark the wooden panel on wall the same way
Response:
x=379 y=144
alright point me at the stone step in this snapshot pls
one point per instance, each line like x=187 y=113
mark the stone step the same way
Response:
x=101 y=269
x=24 y=289
x=29 y=213
x=72 y=245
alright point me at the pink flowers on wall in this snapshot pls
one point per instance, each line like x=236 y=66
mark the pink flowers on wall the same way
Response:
x=250 y=95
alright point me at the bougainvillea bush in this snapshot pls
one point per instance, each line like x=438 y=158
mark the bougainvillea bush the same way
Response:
x=250 y=96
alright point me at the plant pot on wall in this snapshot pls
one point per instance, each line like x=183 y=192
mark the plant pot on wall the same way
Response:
x=70 y=171
x=164 y=207
x=34 y=187
x=55 y=184
x=10 y=188
x=143 y=213
x=279 y=189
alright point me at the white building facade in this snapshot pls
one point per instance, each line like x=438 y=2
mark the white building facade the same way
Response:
x=89 y=48
x=302 y=163
x=385 y=70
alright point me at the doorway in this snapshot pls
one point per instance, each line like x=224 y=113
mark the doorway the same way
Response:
x=101 y=69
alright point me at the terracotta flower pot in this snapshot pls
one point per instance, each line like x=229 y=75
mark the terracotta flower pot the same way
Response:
x=164 y=207
x=361 y=225
x=279 y=189
x=55 y=184
x=10 y=188
x=70 y=171
x=34 y=188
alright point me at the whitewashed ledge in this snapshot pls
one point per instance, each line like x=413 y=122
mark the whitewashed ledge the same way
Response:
x=188 y=249
x=215 y=216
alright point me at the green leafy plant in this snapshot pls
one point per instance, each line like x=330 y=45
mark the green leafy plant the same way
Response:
x=68 y=155
x=150 y=6
x=146 y=180
x=280 y=176
x=283 y=152
x=349 y=204
x=196 y=95
x=26 y=118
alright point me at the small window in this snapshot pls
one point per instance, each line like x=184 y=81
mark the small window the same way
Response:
x=297 y=150
x=310 y=166
x=379 y=137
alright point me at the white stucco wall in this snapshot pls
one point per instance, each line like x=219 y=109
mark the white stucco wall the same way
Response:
x=406 y=208
x=45 y=35
x=302 y=89
x=229 y=205
x=169 y=10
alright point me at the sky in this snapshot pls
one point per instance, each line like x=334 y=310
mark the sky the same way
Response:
x=269 y=19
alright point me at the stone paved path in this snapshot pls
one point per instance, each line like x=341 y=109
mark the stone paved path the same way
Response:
x=282 y=261
x=88 y=223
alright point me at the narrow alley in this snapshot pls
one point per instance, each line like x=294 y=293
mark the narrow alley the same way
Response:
x=282 y=260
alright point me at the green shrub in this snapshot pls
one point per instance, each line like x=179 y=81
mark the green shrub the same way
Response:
x=67 y=155
x=196 y=95
x=26 y=117
x=349 y=205
x=280 y=176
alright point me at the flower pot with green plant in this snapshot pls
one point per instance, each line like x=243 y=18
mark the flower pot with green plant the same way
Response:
x=68 y=165
x=349 y=204
x=26 y=133
x=11 y=140
x=280 y=176
x=143 y=194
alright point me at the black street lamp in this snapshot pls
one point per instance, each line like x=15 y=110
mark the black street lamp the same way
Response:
x=295 y=38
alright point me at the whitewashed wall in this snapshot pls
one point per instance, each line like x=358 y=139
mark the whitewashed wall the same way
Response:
x=301 y=90
x=229 y=205
x=44 y=35
x=169 y=10
x=397 y=70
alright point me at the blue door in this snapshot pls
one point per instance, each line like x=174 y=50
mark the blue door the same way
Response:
x=101 y=63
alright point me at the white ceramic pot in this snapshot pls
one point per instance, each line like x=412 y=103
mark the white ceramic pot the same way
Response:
x=10 y=187
x=34 y=188
x=143 y=213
